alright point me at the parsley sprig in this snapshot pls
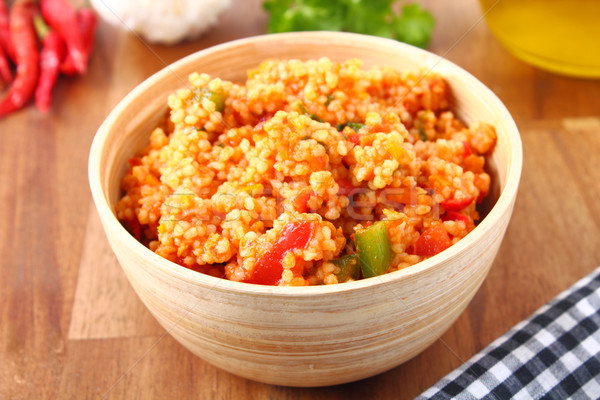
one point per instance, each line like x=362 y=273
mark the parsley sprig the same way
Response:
x=412 y=25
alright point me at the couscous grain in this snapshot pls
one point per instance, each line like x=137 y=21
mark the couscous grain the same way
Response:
x=276 y=180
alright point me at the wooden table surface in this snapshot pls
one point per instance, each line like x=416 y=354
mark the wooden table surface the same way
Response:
x=71 y=325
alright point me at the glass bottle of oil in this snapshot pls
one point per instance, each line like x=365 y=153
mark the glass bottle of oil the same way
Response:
x=562 y=36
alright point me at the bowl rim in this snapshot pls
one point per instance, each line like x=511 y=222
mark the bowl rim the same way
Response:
x=504 y=202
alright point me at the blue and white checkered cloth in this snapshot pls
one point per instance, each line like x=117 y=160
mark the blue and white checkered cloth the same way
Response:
x=554 y=354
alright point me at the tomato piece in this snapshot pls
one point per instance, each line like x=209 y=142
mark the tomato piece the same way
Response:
x=269 y=268
x=261 y=121
x=346 y=187
x=457 y=204
x=467 y=149
x=134 y=161
x=432 y=241
x=266 y=116
x=134 y=227
x=354 y=138
x=301 y=201
x=381 y=127
x=455 y=216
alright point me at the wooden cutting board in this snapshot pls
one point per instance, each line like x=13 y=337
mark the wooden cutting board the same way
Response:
x=552 y=241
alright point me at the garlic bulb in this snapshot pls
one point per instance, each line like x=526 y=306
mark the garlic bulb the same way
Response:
x=162 y=21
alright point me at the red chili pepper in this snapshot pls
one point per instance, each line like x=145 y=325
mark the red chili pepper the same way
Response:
x=5 y=42
x=6 y=50
x=432 y=241
x=24 y=39
x=455 y=216
x=5 y=72
x=457 y=204
x=268 y=269
x=62 y=16
x=52 y=54
x=86 y=21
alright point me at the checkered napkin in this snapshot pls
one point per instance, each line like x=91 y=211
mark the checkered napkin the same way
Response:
x=555 y=354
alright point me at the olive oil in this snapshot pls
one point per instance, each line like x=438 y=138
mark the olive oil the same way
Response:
x=562 y=36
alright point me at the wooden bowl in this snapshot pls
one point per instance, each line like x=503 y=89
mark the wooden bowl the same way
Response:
x=305 y=336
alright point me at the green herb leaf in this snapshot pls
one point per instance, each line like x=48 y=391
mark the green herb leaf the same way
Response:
x=330 y=98
x=372 y=17
x=302 y=15
x=304 y=111
x=355 y=126
x=414 y=25
x=421 y=128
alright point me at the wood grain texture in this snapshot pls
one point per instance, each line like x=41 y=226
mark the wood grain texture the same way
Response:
x=104 y=305
x=552 y=241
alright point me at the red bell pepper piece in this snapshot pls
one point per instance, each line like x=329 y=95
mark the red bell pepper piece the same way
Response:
x=27 y=57
x=432 y=241
x=457 y=204
x=269 y=269
x=455 y=216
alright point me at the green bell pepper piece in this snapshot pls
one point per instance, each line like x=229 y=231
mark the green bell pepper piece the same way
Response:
x=217 y=97
x=349 y=266
x=374 y=249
